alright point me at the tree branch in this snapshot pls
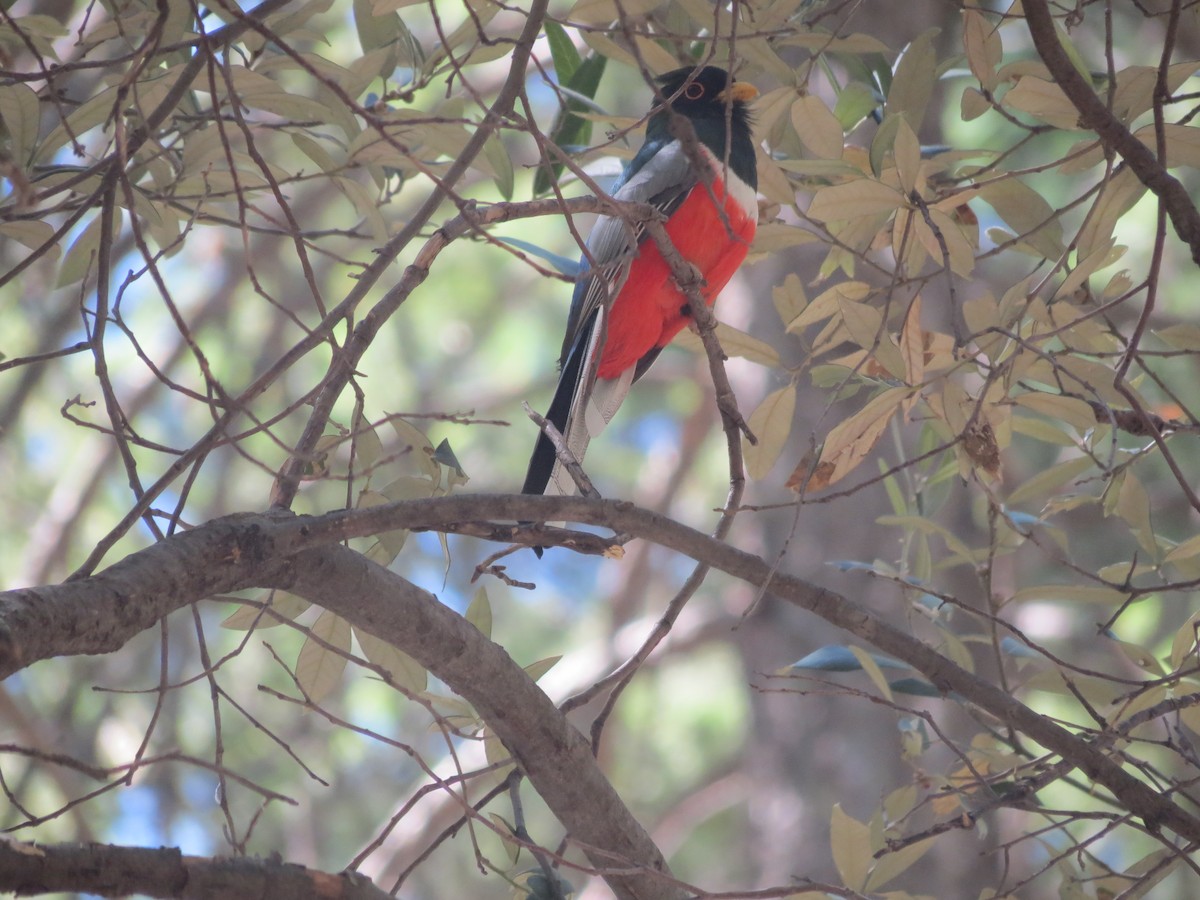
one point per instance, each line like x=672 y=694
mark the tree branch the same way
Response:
x=1094 y=115
x=111 y=871
x=100 y=613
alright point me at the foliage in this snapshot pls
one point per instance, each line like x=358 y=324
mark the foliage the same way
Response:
x=298 y=257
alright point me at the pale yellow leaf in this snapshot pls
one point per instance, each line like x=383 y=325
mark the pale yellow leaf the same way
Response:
x=414 y=440
x=1041 y=486
x=319 y=670
x=853 y=200
x=773 y=183
x=1182 y=336
x=947 y=244
x=601 y=12
x=367 y=447
x=1105 y=254
x=283 y=607
x=973 y=104
x=1116 y=198
x=893 y=864
x=790 y=298
x=1183 y=143
x=873 y=672
x=1043 y=100
x=735 y=343
x=479 y=612
x=912 y=349
x=906 y=150
x=850 y=841
x=829 y=302
x=31 y=234
x=1185 y=550
x=984 y=50
x=775 y=236
x=366 y=205
x=852 y=43
x=817 y=127
x=863 y=321
x=406 y=673
x=608 y=48
x=493 y=749
x=657 y=58
x=1184 y=641
x=536 y=670
x=770 y=423
x=1026 y=211
x=849 y=442
x=1071 y=410
x=1133 y=506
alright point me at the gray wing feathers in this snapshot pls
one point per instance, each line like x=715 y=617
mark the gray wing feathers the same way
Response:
x=612 y=245
x=613 y=242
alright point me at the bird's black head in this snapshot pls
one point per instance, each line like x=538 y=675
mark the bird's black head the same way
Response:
x=705 y=91
x=709 y=98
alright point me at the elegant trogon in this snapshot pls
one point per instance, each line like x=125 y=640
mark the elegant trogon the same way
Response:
x=627 y=306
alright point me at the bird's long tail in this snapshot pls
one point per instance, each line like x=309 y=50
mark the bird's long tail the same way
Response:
x=582 y=406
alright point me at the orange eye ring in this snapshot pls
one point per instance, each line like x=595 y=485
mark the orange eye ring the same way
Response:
x=694 y=91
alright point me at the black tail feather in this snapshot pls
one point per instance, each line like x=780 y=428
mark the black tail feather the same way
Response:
x=541 y=464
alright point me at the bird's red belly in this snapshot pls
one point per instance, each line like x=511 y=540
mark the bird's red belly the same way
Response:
x=648 y=311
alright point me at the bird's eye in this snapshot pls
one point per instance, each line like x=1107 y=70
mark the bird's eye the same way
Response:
x=694 y=91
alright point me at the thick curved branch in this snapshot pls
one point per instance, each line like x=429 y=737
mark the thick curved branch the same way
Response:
x=1093 y=114
x=100 y=613
x=110 y=871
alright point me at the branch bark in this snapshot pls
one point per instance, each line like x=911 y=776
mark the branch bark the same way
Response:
x=112 y=871
x=100 y=613
x=1093 y=114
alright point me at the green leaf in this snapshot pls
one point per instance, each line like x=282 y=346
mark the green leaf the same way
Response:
x=913 y=80
x=384 y=31
x=562 y=51
x=21 y=115
x=497 y=156
x=90 y=113
x=479 y=613
x=80 y=258
x=569 y=128
x=854 y=103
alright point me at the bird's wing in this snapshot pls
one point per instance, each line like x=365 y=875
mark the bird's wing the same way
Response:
x=583 y=405
x=661 y=176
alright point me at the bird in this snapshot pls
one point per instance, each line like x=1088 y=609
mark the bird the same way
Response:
x=627 y=307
